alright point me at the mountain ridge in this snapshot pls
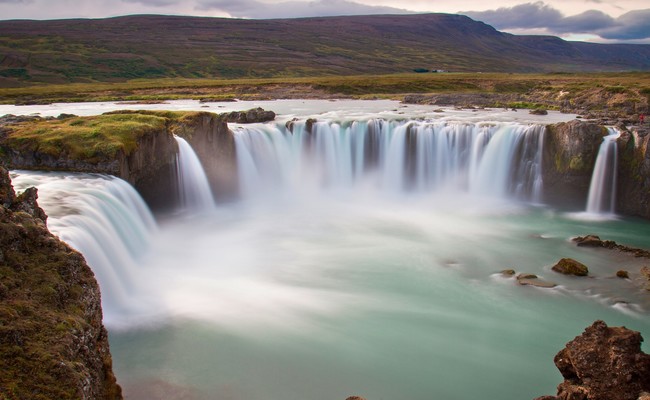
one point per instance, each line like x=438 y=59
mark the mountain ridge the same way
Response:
x=156 y=46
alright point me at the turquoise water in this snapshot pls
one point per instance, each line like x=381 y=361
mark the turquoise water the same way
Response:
x=399 y=298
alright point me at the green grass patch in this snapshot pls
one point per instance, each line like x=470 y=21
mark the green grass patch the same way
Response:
x=92 y=139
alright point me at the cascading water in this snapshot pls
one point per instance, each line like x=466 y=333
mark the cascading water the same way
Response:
x=195 y=193
x=105 y=219
x=391 y=295
x=499 y=160
x=602 y=189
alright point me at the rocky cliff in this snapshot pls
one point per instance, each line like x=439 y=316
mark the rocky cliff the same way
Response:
x=52 y=341
x=603 y=364
x=633 y=192
x=570 y=151
x=137 y=146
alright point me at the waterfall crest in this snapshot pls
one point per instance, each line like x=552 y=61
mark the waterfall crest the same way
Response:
x=602 y=189
x=195 y=193
x=102 y=217
x=487 y=159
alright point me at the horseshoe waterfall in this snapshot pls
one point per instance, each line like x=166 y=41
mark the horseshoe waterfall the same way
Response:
x=362 y=256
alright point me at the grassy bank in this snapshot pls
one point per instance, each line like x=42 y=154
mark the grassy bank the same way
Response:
x=634 y=85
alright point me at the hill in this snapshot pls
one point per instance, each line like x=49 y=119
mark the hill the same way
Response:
x=153 y=46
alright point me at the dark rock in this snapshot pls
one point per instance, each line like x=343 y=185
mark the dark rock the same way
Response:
x=595 y=241
x=65 y=116
x=569 y=266
x=538 y=111
x=52 y=341
x=253 y=115
x=355 y=398
x=570 y=151
x=533 y=280
x=603 y=364
x=633 y=179
x=508 y=272
x=622 y=274
x=26 y=202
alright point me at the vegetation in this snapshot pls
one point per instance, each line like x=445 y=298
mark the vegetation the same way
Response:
x=91 y=139
x=152 y=47
x=395 y=86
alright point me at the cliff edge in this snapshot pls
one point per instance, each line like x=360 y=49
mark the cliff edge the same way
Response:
x=52 y=341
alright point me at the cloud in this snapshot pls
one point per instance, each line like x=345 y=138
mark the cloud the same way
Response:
x=293 y=9
x=154 y=3
x=15 y=1
x=538 y=15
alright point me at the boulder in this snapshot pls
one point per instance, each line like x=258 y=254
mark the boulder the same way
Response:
x=533 y=280
x=248 y=117
x=508 y=272
x=538 y=111
x=569 y=266
x=603 y=364
x=622 y=274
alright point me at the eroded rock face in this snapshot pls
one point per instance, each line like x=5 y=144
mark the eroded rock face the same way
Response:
x=214 y=144
x=250 y=116
x=633 y=184
x=603 y=364
x=570 y=151
x=52 y=341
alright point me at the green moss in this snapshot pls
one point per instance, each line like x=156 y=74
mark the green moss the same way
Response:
x=576 y=163
x=92 y=139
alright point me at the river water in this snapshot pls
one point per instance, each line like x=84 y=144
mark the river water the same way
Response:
x=326 y=291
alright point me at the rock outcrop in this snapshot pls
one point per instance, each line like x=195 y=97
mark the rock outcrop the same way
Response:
x=214 y=145
x=595 y=241
x=52 y=341
x=248 y=117
x=570 y=151
x=603 y=364
x=146 y=153
x=633 y=180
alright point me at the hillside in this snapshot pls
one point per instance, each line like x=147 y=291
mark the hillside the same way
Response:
x=148 y=46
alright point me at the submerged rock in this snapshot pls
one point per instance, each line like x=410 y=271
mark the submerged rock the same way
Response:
x=569 y=266
x=603 y=364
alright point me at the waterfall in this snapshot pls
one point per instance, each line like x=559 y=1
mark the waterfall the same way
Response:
x=487 y=159
x=102 y=217
x=602 y=189
x=195 y=192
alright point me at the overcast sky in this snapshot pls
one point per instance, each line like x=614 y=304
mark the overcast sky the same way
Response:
x=592 y=20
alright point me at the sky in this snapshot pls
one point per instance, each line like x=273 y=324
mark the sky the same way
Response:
x=604 y=21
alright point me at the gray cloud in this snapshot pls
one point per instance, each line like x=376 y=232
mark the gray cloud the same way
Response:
x=15 y=1
x=154 y=3
x=632 y=25
x=293 y=9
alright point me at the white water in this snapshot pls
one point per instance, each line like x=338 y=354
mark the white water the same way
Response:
x=602 y=189
x=496 y=160
x=106 y=220
x=195 y=193
x=338 y=276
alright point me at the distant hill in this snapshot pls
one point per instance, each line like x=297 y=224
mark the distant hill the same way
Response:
x=152 y=46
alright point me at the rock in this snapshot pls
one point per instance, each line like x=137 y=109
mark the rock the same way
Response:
x=622 y=274
x=52 y=341
x=355 y=398
x=595 y=241
x=251 y=116
x=569 y=266
x=508 y=272
x=525 y=279
x=603 y=364
x=569 y=154
x=538 y=111
x=645 y=274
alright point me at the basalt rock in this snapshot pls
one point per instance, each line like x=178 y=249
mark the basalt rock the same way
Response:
x=52 y=341
x=603 y=364
x=595 y=241
x=570 y=151
x=633 y=179
x=248 y=117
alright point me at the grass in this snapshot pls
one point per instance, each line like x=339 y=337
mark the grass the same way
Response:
x=356 y=86
x=92 y=139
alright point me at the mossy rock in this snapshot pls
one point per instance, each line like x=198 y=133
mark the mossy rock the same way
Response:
x=569 y=266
